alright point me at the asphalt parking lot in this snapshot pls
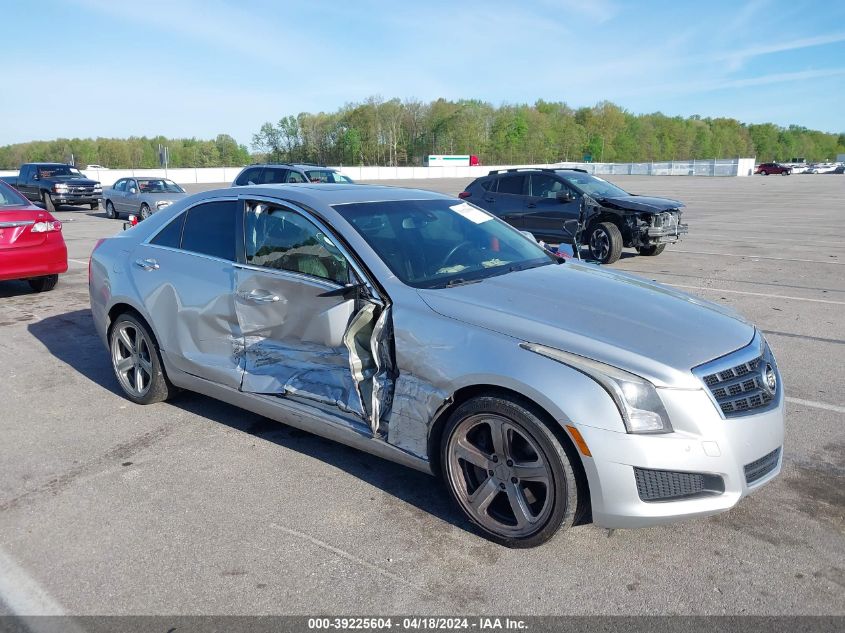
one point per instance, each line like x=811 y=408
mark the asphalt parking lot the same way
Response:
x=197 y=507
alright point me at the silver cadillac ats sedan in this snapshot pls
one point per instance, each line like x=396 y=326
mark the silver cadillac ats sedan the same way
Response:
x=419 y=328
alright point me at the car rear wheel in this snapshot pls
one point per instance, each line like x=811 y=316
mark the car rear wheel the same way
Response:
x=43 y=284
x=48 y=203
x=764 y=172
x=508 y=472
x=110 y=213
x=137 y=362
x=651 y=251
x=785 y=172
x=145 y=212
x=605 y=242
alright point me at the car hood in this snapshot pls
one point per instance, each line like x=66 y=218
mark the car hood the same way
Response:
x=641 y=203
x=641 y=326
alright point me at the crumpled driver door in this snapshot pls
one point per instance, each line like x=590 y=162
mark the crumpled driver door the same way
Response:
x=308 y=324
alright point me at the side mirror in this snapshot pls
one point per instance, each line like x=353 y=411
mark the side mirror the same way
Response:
x=565 y=196
x=35 y=177
x=133 y=190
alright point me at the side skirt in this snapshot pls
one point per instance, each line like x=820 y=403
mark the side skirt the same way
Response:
x=298 y=416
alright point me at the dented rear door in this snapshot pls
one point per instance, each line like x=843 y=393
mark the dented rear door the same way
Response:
x=307 y=330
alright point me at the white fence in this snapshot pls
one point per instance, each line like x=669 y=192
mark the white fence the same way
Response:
x=213 y=175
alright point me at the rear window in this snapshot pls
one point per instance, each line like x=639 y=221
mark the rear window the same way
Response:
x=170 y=235
x=248 y=176
x=210 y=229
x=512 y=184
x=11 y=198
x=487 y=184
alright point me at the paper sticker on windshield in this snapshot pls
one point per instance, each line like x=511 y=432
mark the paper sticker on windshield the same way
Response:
x=470 y=213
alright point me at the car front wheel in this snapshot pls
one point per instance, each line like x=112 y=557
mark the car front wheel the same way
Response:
x=136 y=361
x=605 y=243
x=508 y=472
x=145 y=212
x=110 y=213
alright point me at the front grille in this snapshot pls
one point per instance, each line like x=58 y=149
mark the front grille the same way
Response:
x=81 y=190
x=740 y=388
x=759 y=468
x=668 y=485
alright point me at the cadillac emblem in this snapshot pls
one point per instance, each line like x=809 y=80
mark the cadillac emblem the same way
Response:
x=770 y=379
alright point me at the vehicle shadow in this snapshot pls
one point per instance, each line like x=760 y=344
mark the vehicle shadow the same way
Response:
x=71 y=338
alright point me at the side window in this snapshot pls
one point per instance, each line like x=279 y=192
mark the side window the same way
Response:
x=284 y=240
x=488 y=185
x=272 y=175
x=512 y=184
x=545 y=186
x=295 y=176
x=170 y=235
x=248 y=176
x=120 y=185
x=131 y=184
x=210 y=229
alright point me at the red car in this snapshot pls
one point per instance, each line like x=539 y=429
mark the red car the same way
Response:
x=31 y=242
x=773 y=168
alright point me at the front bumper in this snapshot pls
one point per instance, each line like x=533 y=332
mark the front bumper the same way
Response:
x=72 y=199
x=703 y=442
x=666 y=235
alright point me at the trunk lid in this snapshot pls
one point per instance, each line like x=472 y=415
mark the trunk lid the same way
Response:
x=16 y=227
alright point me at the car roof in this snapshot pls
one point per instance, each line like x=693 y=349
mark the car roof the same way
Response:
x=316 y=194
x=289 y=165
x=52 y=165
x=529 y=170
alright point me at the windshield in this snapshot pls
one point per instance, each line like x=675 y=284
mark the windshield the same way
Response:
x=594 y=186
x=58 y=170
x=436 y=243
x=11 y=198
x=326 y=175
x=159 y=185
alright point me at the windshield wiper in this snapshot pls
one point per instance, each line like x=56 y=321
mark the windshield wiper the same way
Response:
x=460 y=281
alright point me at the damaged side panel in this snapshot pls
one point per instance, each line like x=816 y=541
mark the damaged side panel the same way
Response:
x=327 y=351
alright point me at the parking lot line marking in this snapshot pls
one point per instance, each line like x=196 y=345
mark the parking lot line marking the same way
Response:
x=21 y=593
x=349 y=557
x=748 y=256
x=817 y=405
x=760 y=294
x=77 y=261
x=806 y=337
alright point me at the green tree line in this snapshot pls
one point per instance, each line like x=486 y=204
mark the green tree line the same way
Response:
x=133 y=152
x=395 y=132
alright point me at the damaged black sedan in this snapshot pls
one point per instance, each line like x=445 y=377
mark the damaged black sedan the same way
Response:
x=540 y=200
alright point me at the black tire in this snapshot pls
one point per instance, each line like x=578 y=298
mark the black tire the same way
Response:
x=159 y=388
x=785 y=172
x=48 y=202
x=556 y=501
x=110 y=212
x=651 y=251
x=43 y=284
x=764 y=173
x=605 y=242
x=145 y=212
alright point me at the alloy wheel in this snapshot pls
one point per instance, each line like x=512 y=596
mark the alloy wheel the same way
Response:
x=132 y=360
x=500 y=475
x=599 y=244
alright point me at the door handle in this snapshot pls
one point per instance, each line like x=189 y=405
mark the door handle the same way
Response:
x=147 y=264
x=260 y=296
x=531 y=205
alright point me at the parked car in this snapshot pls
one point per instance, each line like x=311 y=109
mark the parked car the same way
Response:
x=772 y=168
x=140 y=196
x=822 y=168
x=422 y=329
x=31 y=242
x=540 y=200
x=276 y=173
x=12 y=181
x=55 y=184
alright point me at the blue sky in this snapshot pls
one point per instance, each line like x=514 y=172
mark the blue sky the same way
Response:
x=201 y=67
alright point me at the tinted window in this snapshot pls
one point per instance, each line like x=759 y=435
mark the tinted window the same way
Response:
x=9 y=197
x=120 y=185
x=487 y=184
x=210 y=229
x=272 y=175
x=545 y=186
x=511 y=184
x=326 y=175
x=285 y=240
x=295 y=176
x=170 y=235
x=248 y=176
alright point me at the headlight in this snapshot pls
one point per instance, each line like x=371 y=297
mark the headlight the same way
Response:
x=60 y=187
x=163 y=203
x=635 y=397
